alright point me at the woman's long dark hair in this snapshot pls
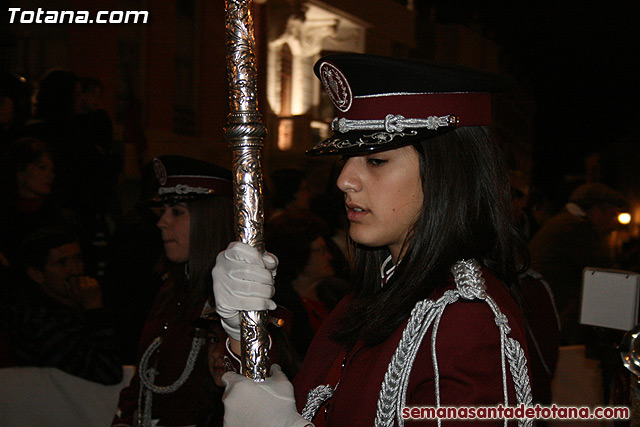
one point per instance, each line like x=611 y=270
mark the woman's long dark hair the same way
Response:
x=211 y=230
x=466 y=213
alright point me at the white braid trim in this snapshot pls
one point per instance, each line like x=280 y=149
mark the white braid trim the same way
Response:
x=147 y=375
x=393 y=123
x=315 y=399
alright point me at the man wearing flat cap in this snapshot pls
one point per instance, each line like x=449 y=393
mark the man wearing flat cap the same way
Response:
x=572 y=240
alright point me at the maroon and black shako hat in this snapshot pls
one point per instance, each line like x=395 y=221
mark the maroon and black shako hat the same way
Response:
x=384 y=103
x=182 y=179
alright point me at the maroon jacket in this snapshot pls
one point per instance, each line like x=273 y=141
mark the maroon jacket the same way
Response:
x=468 y=349
x=184 y=406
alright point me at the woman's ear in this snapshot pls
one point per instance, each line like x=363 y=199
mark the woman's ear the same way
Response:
x=35 y=275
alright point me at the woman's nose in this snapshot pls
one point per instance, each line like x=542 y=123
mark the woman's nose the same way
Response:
x=218 y=350
x=162 y=222
x=348 y=180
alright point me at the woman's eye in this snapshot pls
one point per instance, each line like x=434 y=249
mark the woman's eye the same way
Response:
x=376 y=162
x=177 y=212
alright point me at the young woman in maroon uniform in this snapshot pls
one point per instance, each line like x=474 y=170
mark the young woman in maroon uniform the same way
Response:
x=433 y=320
x=196 y=222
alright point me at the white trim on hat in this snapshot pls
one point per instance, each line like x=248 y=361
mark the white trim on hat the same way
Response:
x=393 y=123
x=184 y=189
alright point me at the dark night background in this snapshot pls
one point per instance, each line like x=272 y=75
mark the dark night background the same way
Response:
x=578 y=59
x=581 y=59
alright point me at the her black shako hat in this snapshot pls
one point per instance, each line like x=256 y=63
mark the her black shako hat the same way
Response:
x=385 y=103
x=182 y=179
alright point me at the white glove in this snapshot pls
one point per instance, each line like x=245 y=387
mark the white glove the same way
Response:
x=269 y=403
x=242 y=281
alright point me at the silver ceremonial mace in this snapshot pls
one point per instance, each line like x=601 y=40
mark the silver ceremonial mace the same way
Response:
x=244 y=132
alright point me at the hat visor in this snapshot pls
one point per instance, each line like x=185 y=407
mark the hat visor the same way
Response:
x=355 y=143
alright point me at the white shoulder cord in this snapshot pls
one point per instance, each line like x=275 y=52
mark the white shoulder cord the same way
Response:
x=147 y=375
x=470 y=285
x=315 y=399
x=393 y=393
x=384 y=273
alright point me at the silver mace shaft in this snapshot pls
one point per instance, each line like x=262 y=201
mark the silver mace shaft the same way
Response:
x=244 y=133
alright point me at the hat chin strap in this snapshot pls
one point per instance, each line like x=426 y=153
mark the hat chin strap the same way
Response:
x=393 y=123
